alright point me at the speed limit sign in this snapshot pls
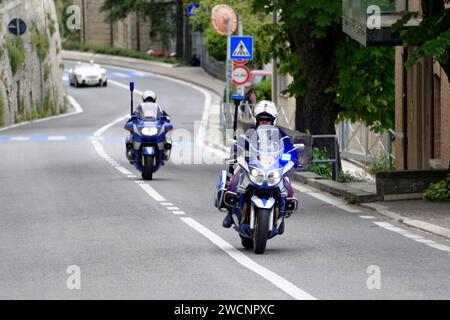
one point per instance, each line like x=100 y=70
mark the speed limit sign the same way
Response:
x=241 y=74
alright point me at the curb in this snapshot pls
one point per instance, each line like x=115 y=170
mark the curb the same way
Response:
x=338 y=189
x=418 y=224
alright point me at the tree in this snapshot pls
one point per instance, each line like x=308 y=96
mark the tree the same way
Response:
x=332 y=74
x=432 y=36
x=216 y=44
x=160 y=13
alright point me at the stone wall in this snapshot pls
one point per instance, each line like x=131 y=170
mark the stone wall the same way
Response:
x=34 y=88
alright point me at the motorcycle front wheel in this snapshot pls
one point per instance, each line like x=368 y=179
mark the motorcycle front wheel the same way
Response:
x=147 y=174
x=261 y=232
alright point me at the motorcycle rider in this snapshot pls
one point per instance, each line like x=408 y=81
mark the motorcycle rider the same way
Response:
x=266 y=113
x=147 y=97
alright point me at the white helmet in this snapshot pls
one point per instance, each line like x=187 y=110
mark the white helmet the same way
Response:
x=149 y=95
x=266 y=110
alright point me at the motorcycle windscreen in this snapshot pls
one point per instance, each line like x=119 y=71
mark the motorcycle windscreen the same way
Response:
x=266 y=146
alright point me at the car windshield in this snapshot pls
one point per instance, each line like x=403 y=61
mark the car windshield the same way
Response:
x=149 y=111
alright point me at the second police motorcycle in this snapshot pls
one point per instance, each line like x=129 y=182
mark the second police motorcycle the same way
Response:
x=149 y=146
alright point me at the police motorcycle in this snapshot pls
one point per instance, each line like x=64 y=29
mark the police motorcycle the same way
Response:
x=150 y=147
x=260 y=204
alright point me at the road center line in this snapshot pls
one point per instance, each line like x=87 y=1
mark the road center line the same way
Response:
x=248 y=263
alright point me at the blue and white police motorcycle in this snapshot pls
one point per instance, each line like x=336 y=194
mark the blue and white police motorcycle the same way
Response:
x=259 y=202
x=150 y=145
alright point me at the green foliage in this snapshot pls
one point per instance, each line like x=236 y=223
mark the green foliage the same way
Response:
x=439 y=192
x=432 y=36
x=160 y=14
x=323 y=169
x=47 y=71
x=264 y=90
x=2 y=110
x=382 y=165
x=76 y=46
x=216 y=43
x=40 y=42
x=52 y=24
x=63 y=16
x=16 y=53
x=365 y=90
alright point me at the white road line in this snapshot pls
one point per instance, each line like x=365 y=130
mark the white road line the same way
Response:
x=57 y=138
x=341 y=204
x=367 y=217
x=116 y=83
x=167 y=204
x=124 y=171
x=413 y=236
x=179 y=213
x=248 y=263
x=100 y=131
x=152 y=193
x=173 y=208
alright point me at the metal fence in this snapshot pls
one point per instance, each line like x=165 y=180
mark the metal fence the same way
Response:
x=358 y=142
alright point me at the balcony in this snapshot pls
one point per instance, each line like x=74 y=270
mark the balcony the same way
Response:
x=369 y=21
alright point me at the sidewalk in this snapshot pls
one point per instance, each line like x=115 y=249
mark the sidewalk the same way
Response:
x=427 y=216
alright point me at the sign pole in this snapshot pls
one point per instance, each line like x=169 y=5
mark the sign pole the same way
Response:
x=229 y=66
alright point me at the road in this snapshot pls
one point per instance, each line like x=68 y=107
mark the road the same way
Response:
x=69 y=197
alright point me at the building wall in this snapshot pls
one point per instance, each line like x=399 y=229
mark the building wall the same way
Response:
x=422 y=113
x=121 y=34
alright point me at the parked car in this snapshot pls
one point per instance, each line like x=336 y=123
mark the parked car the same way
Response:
x=87 y=74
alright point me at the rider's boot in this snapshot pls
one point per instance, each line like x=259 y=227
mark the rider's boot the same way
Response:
x=228 y=221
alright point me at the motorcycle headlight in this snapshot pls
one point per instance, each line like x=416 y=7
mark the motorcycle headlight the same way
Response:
x=256 y=176
x=274 y=177
x=149 y=131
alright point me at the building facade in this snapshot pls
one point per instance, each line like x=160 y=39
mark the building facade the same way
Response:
x=422 y=112
x=130 y=33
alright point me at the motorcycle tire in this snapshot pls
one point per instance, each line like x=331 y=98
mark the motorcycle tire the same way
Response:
x=261 y=232
x=246 y=242
x=147 y=174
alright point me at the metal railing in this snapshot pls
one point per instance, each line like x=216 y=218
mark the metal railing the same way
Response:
x=358 y=142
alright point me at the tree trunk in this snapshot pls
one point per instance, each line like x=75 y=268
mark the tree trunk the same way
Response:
x=180 y=29
x=316 y=111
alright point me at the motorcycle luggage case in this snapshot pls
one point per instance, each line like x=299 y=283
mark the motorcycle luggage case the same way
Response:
x=221 y=188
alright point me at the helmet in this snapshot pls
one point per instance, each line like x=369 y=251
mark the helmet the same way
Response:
x=149 y=95
x=266 y=110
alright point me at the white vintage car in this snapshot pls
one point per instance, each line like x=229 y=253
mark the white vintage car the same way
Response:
x=87 y=74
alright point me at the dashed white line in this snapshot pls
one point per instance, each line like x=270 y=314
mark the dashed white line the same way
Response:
x=124 y=171
x=179 y=213
x=152 y=193
x=248 y=263
x=57 y=138
x=173 y=208
x=412 y=236
x=167 y=204
x=20 y=139
x=367 y=217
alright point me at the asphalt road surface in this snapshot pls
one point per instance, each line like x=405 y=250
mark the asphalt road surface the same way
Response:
x=69 y=200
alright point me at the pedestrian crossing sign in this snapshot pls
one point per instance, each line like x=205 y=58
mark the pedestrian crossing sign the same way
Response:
x=241 y=48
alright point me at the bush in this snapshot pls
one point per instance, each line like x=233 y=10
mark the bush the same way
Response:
x=16 y=53
x=323 y=169
x=264 y=90
x=40 y=43
x=439 y=192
